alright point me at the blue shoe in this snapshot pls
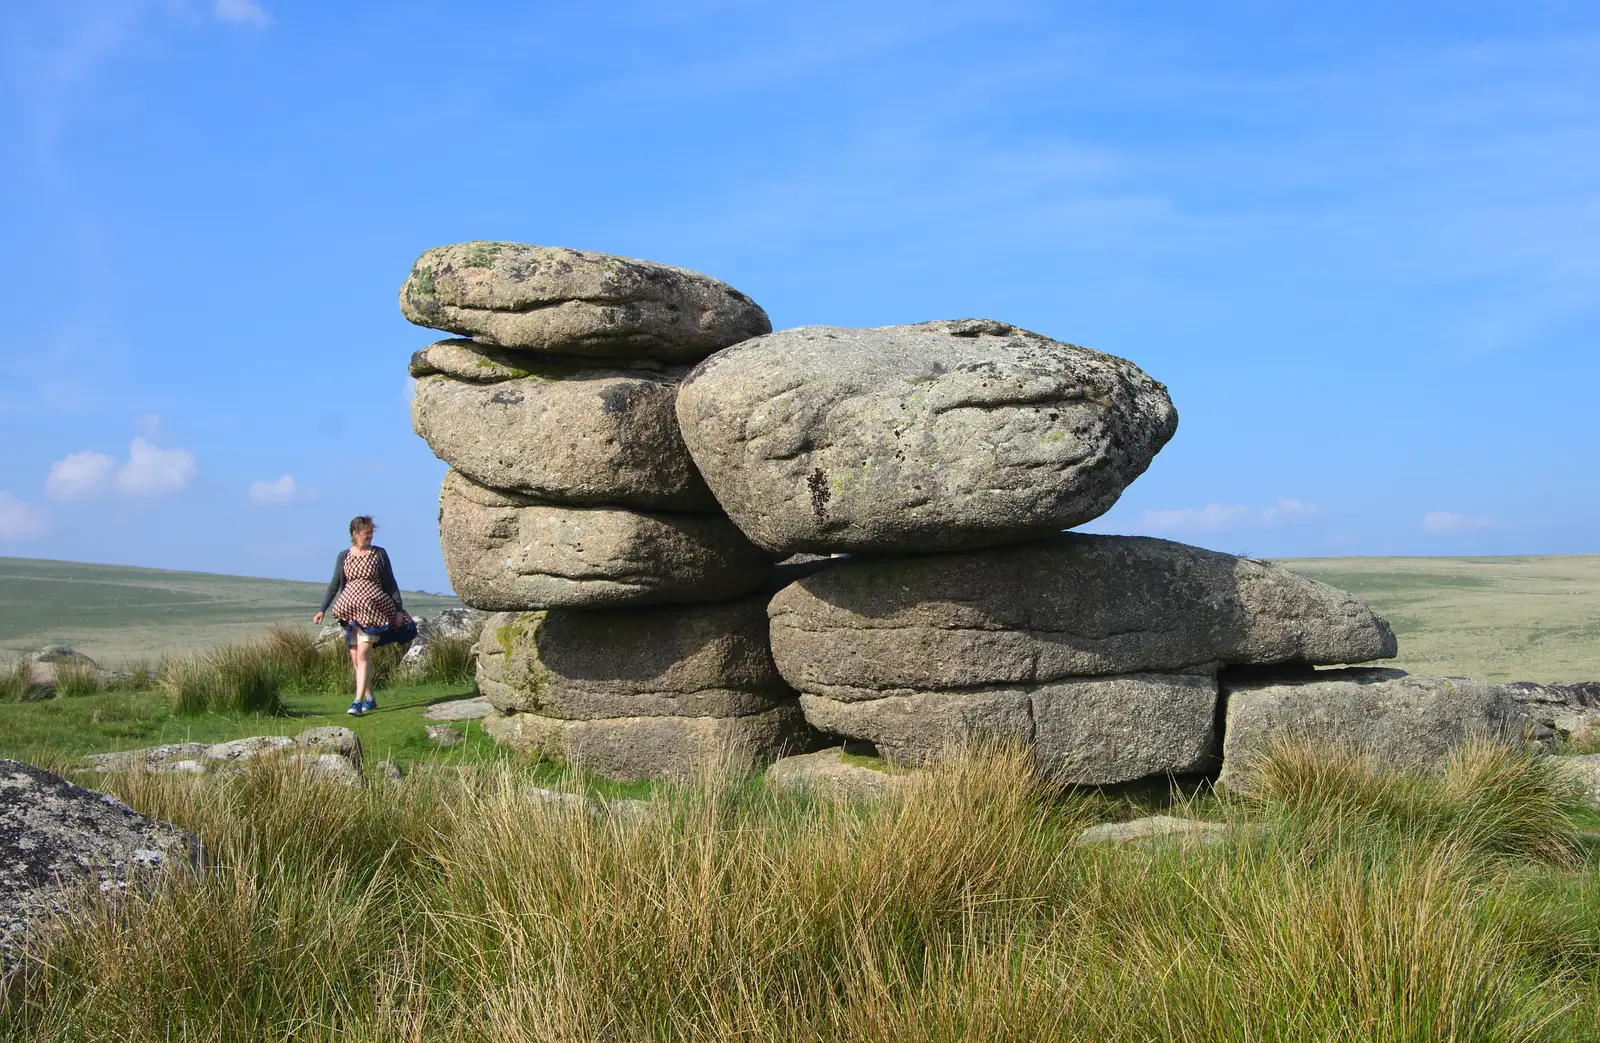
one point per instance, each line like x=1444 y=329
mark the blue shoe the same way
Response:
x=370 y=706
x=357 y=708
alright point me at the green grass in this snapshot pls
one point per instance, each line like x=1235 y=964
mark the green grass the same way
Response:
x=1391 y=908
x=57 y=733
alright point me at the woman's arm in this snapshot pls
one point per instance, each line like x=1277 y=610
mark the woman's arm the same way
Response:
x=335 y=584
x=386 y=577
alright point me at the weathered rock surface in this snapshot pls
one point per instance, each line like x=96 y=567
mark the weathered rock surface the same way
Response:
x=576 y=302
x=473 y=709
x=199 y=758
x=828 y=773
x=678 y=661
x=1398 y=719
x=938 y=436
x=1088 y=731
x=452 y=624
x=566 y=435
x=633 y=748
x=1073 y=606
x=61 y=654
x=335 y=741
x=1155 y=829
x=1575 y=695
x=329 y=766
x=477 y=363
x=444 y=735
x=449 y=624
x=1558 y=713
x=506 y=552
x=60 y=843
x=40 y=670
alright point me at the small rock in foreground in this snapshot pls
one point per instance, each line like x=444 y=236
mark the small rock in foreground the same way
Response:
x=60 y=843
x=444 y=735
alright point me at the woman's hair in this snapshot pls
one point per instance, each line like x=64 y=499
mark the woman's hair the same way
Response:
x=361 y=521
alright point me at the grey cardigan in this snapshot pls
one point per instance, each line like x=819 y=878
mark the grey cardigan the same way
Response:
x=385 y=579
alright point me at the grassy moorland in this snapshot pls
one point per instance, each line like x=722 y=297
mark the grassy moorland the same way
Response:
x=1496 y=619
x=114 y=613
x=1348 y=905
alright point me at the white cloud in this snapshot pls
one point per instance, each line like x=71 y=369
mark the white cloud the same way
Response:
x=80 y=476
x=20 y=520
x=246 y=12
x=281 y=490
x=1214 y=517
x=1444 y=522
x=153 y=471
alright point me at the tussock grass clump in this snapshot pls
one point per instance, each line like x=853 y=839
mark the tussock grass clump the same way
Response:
x=448 y=660
x=137 y=675
x=463 y=906
x=229 y=679
x=303 y=667
x=76 y=679
x=1489 y=798
x=14 y=680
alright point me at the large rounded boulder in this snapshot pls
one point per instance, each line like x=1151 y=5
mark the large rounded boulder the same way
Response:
x=570 y=435
x=938 y=436
x=576 y=302
x=506 y=552
x=670 y=661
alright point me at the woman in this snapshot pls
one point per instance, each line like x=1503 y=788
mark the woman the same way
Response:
x=365 y=599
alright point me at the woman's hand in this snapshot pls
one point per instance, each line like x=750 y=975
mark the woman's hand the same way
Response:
x=316 y=620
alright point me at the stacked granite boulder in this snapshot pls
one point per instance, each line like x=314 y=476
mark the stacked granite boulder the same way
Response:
x=621 y=511
x=627 y=637
x=946 y=458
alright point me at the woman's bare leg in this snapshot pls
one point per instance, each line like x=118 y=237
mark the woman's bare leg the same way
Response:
x=358 y=658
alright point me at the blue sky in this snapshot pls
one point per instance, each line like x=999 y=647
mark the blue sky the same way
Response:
x=1359 y=242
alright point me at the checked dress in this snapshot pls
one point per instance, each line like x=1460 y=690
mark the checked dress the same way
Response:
x=363 y=601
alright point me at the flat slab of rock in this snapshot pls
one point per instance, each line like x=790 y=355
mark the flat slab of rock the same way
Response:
x=473 y=709
x=60 y=843
x=576 y=302
x=673 y=661
x=1073 y=606
x=830 y=773
x=938 y=436
x=1399 y=719
x=476 y=363
x=1155 y=829
x=634 y=748
x=566 y=435
x=1085 y=731
x=506 y=552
